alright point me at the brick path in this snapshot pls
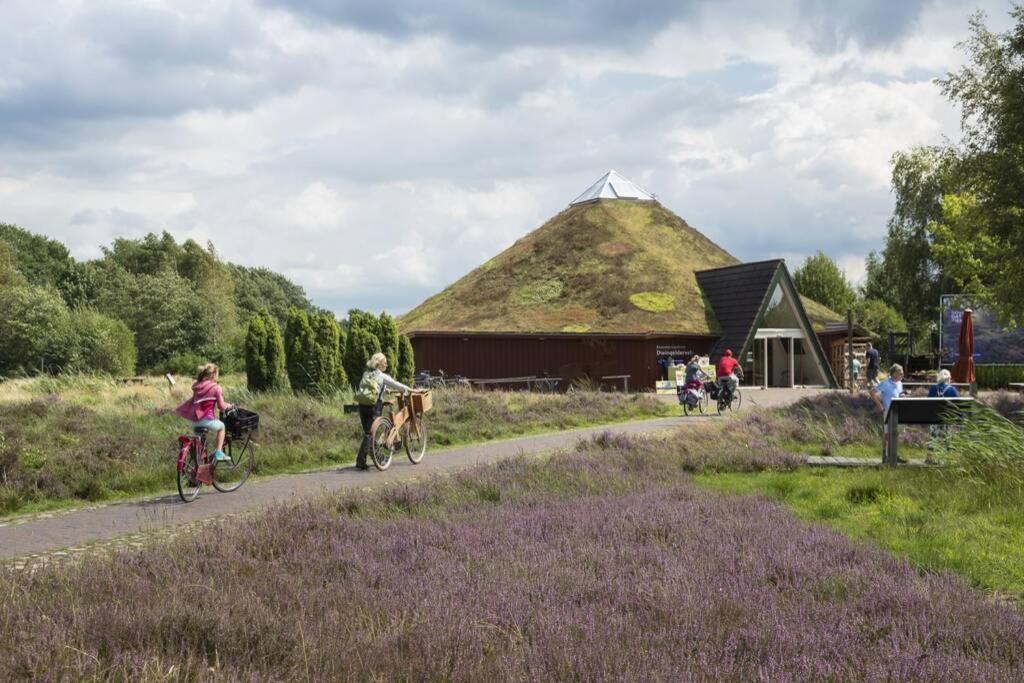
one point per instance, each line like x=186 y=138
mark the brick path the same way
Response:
x=71 y=532
x=130 y=523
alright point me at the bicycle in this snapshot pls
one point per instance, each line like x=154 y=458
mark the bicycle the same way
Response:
x=197 y=467
x=697 y=401
x=728 y=400
x=406 y=421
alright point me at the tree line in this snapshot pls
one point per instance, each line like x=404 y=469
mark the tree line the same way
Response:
x=155 y=305
x=958 y=222
x=318 y=355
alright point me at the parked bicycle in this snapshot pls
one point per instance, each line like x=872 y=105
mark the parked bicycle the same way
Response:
x=401 y=424
x=425 y=380
x=197 y=466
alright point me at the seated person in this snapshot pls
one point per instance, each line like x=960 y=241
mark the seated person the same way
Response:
x=942 y=388
x=939 y=433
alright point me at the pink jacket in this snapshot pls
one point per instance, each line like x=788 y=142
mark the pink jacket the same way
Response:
x=205 y=395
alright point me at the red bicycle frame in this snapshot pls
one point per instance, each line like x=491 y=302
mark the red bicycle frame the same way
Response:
x=204 y=468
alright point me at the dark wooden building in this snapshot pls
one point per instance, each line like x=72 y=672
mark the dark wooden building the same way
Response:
x=614 y=286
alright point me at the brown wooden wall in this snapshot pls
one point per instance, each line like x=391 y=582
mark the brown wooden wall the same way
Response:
x=566 y=356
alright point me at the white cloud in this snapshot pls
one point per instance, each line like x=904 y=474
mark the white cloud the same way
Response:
x=323 y=149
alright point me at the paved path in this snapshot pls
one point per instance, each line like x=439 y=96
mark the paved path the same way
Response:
x=130 y=521
x=45 y=533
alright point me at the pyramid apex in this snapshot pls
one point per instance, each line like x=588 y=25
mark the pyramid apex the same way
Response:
x=613 y=185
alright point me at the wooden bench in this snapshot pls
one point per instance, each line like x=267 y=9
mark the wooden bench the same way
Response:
x=917 y=411
x=1016 y=386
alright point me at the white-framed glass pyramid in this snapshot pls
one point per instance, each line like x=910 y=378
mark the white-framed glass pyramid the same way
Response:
x=612 y=185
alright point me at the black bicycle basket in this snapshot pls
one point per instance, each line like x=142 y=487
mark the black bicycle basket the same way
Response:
x=712 y=389
x=238 y=422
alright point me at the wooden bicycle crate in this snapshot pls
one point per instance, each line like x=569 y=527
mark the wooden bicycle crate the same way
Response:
x=421 y=403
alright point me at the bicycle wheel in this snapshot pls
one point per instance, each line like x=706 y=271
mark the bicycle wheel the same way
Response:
x=737 y=400
x=188 y=486
x=229 y=475
x=416 y=442
x=380 y=451
x=686 y=407
x=703 y=403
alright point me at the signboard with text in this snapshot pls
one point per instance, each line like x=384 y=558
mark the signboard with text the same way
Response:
x=992 y=343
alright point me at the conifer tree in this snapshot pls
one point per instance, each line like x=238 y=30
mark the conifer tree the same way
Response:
x=341 y=380
x=360 y=346
x=406 y=361
x=264 y=353
x=300 y=345
x=387 y=335
x=325 y=361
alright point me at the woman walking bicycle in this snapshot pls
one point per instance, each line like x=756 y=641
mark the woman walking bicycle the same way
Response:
x=369 y=398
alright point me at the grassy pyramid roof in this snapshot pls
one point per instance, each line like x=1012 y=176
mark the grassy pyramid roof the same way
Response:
x=607 y=266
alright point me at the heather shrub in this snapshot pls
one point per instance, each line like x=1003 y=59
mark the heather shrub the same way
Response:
x=1009 y=404
x=583 y=567
x=736 y=449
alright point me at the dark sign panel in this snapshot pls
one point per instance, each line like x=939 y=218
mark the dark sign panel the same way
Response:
x=992 y=344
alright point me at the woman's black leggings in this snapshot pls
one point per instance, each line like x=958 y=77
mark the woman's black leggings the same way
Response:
x=367 y=414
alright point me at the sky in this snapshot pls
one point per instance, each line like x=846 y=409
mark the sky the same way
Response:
x=376 y=152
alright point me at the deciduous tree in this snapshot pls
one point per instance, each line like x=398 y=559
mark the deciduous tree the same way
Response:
x=819 y=278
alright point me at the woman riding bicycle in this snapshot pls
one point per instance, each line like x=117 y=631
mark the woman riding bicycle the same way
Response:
x=369 y=397
x=207 y=395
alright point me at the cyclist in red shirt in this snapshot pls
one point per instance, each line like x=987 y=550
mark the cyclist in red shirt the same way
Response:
x=728 y=372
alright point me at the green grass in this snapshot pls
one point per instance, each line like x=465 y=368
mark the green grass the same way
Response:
x=937 y=520
x=77 y=440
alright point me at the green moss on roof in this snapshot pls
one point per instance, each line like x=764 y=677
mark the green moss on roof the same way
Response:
x=819 y=314
x=600 y=253
x=655 y=302
x=540 y=292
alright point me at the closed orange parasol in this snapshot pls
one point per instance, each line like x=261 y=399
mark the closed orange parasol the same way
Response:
x=963 y=369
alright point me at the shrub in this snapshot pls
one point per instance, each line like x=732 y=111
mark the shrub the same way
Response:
x=36 y=332
x=264 y=353
x=406 y=361
x=361 y=345
x=299 y=344
x=998 y=376
x=387 y=335
x=105 y=345
x=183 y=364
x=324 y=360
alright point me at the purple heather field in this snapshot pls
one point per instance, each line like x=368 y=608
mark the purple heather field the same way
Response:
x=602 y=564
